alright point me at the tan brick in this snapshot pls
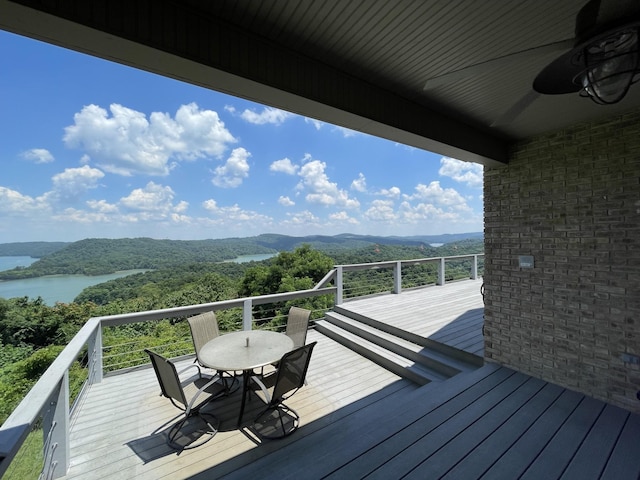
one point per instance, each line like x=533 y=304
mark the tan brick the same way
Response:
x=571 y=199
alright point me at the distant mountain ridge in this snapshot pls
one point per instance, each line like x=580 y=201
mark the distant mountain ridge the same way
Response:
x=271 y=241
x=30 y=249
x=97 y=256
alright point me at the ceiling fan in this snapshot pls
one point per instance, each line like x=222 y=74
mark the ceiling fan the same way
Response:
x=601 y=62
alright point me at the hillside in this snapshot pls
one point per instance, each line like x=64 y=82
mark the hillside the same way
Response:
x=101 y=256
x=30 y=249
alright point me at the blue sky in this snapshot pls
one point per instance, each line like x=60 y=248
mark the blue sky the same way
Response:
x=92 y=149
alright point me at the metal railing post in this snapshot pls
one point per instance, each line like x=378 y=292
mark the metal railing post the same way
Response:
x=474 y=268
x=55 y=428
x=247 y=314
x=339 y=285
x=397 y=278
x=441 y=271
x=94 y=351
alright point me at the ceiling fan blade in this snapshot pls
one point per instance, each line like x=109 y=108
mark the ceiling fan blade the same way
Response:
x=516 y=109
x=495 y=63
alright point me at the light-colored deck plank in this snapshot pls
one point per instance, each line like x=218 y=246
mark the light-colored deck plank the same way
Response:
x=120 y=414
x=358 y=419
x=452 y=314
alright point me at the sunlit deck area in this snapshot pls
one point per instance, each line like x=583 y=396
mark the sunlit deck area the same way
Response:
x=450 y=314
x=359 y=420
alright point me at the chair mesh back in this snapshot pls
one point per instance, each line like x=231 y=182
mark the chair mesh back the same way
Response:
x=204 y=327
x=167 y=377
x=292 y=371
x=297 y=325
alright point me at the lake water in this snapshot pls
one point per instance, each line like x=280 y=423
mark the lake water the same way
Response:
x=8 y=263
x=64 y=288
x=252 y=258
x=56 y=288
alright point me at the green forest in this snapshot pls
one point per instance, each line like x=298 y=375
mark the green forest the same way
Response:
x=181 y=273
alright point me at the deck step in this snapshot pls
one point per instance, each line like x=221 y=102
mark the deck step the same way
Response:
x=465 y=357
x=393 y=362
x=408 y=355
x=430 y=358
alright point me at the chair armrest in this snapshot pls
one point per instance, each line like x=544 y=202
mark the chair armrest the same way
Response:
x=263 y=387
x=193 y=365
x=213 y=380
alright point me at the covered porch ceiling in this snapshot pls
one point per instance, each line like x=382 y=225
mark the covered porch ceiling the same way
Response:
x=375 y=66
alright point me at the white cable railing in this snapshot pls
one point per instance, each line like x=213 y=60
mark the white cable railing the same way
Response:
x=48 y=402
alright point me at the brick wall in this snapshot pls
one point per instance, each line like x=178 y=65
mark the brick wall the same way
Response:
x=571 y=199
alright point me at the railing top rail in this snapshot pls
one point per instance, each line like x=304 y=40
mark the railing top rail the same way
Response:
x=31 y=406
x=21 y=420
x=392 y=263
x=16 y=427
x=123 y=319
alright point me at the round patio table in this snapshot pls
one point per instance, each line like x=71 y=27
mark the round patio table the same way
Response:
x=245 y=350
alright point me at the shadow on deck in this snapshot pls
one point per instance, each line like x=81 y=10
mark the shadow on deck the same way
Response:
x=491 y=423
x=360 y=420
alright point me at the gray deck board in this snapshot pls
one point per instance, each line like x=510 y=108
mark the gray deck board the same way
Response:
x=405 y=437
x=452 y=452
x=568 y=431
x=437 y=429
x=593 y=455
x=624 y=462
x=486 y=453
x=368 y=427
x=553 y=460
x=360 y=420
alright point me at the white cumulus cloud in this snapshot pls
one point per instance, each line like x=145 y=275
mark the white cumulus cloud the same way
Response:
x=343 y=217
x=15 y=203
x=359 y=184
x=234 y=213
x=304 y=218
x=38 y=155
x=393 y=192
x=286 y=201
x=316 y=123
x=152 y=201
x=468 y=173
x=320 y=189
x=74 y=182
x=434 y=193
x=284 y=166
x=128 y=143
x=268 y=115
x=381 y=210
x=235 y=169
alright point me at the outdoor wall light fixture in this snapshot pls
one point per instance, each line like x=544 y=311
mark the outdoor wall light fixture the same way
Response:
x=605 y=59
x=611 y=67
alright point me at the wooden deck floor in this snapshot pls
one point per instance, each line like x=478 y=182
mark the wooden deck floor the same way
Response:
x=359 y=420
x=114 y=435
x=493 y=423
x=452 y=314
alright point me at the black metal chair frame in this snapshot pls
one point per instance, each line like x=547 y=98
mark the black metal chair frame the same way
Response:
x=173 y=388
x=204 y=327
x=287 y=380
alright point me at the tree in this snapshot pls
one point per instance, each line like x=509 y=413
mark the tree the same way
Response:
x=301 y=269
x=289 y=271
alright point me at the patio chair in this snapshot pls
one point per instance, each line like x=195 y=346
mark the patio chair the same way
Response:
x=189 y=396
x=277 y=420
x=296 y=330
x=297 y=325
x=204 y=327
